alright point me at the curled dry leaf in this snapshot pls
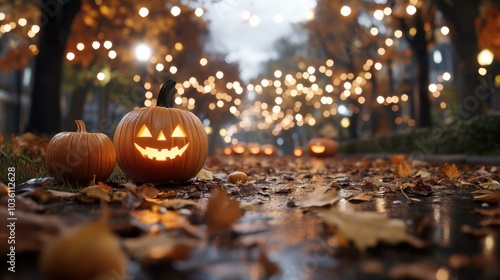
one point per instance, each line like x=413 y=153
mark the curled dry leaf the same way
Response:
x=364 y=197
x=237 y=177
x=221 y=212
x=491 y=185
x=488 y=198
x=397 y=159
x=100 y=191
x=366 y=229
x=322 y=196
x=173 y=203
x=146 y=191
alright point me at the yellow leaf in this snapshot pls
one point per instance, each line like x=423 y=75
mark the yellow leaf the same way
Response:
x=322 y=196
x=221 y=212
x=451 y=171
x=366 y=229
x=404 y=170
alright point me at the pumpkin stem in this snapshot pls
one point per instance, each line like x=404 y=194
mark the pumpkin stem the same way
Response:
x=80 y=126
x=166 y=96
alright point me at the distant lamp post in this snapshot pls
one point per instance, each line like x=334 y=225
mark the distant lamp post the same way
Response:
x=485 y=57
x=142 y=52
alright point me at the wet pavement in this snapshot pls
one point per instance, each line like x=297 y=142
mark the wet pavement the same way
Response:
x=296 y=239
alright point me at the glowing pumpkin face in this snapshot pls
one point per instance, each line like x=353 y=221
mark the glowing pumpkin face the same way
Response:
x=161 y=153
x=160 y=144
x=323 y=147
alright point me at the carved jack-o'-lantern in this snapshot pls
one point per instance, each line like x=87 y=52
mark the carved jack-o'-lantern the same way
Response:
x=160 y=144
x=268 y=149
x=323 y=147
x=239 y=149
x=254 y=148
x=297 y=151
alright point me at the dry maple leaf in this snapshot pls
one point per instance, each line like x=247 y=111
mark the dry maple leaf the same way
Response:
x=366 y=229
x=99 y=191
x=221 y=212
x=451 y=171
x=322 y=196
x=404 y=170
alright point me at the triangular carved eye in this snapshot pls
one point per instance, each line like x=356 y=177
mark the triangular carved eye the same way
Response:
x=144 y=132
x=162 y=137
x=178 y=132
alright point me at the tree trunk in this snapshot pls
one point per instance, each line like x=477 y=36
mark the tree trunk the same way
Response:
x=56 y=19
x=460 y=17
x=75 y=111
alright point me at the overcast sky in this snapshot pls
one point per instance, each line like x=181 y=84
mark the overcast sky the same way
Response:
x=250 y=45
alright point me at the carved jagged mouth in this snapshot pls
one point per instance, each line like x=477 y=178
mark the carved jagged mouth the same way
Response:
x=161 y=154
x=318 y=149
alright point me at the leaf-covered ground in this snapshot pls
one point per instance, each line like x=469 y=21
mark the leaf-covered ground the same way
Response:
x=277 y=218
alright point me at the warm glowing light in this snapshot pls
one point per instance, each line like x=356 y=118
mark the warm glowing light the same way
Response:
x=142 y=52
x=380 y=99
x=485 y=57
x=446 y=76
x=96 y=45
x=374 y=31
x=482 y=71
x=108 y=44
x=199 y=12
x=398 y=33
x=203 y=61
x=298 y=152
x=22 y=21
x=411 y=10
x=175 y=11
x=112 y=54
x=70 y=56
x=172 y=69
x=345 y=122
x=345 y=11
x=445 y=30
x=80 y=46
x=143 y=12
x=101 y=76
x=378 y=14
x=159 y=67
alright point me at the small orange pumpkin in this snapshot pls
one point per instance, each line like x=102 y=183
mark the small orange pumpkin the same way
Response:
x=78 y=156
x=239 y=148
x=254 y=148
x=323 y=147
x=160 y=144
x=268 y=149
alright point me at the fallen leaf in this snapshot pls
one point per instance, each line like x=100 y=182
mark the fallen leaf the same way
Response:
x=423 y=174
x=100 y=191
x=146 y=191
x=153 y=249
x=173 y=203
x=322 y=196
x=366 y=229
x=404 y=170
x=364 y=197
x=221 y=212
x=451 y=171
x=204 y=174
x=491 y=185
x=87 y=251
x=488 y=198
x=62 y=194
